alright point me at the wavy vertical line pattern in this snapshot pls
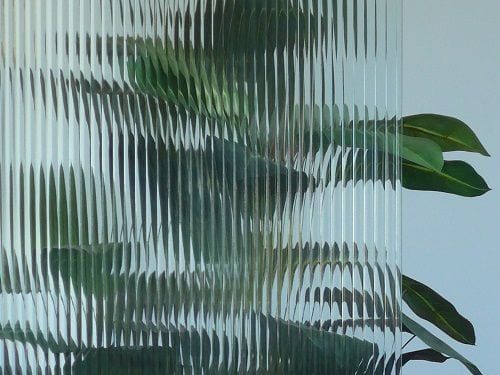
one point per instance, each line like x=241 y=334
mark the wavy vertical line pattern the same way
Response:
x=200 y=186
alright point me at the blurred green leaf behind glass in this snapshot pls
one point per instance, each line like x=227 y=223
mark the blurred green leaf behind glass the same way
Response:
x=213 y=186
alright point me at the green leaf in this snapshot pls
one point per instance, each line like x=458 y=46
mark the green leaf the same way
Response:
x=155 y=294
x=437 y=344
x=87 y=266
x=370 y=135
x=423 y=152
x=297 y=342
x=456 y=177
x=429 y=305
x=429 y=355
x=417 y=150
x=10 y=280
x=25 y=335
x=339 y=354
x=449 y=133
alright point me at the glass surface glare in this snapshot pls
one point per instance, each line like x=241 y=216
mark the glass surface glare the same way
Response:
x=200 y=186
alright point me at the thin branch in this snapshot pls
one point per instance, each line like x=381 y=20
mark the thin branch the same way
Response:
x=408 y=341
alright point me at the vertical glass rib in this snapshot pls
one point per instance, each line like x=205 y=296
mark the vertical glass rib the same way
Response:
x=200 y=186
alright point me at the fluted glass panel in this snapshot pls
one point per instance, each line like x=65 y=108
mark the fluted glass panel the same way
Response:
x=200 y=186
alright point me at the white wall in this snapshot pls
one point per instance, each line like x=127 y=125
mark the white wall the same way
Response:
x=452 y=66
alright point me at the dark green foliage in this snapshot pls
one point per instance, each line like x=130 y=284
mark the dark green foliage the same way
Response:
x=449 y=133
x=436 y=344
x=456 y=177
x=429 y=355
x=220 y=77
x=430 y=306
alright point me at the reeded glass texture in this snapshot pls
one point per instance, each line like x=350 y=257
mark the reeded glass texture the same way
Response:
x=200 y=186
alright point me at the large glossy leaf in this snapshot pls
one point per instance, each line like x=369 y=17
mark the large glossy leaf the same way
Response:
x=431 y=306
x=449 y=133
x=456 y=177
x=437 y=344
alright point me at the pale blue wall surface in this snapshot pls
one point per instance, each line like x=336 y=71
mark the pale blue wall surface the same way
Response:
x=451 y=65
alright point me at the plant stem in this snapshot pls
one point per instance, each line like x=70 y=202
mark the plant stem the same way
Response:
x=408 y=342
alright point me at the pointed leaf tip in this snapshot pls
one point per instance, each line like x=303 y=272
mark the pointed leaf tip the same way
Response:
x=437 y=344
x=449 y=133
x=429 y=305
x=457 y=177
